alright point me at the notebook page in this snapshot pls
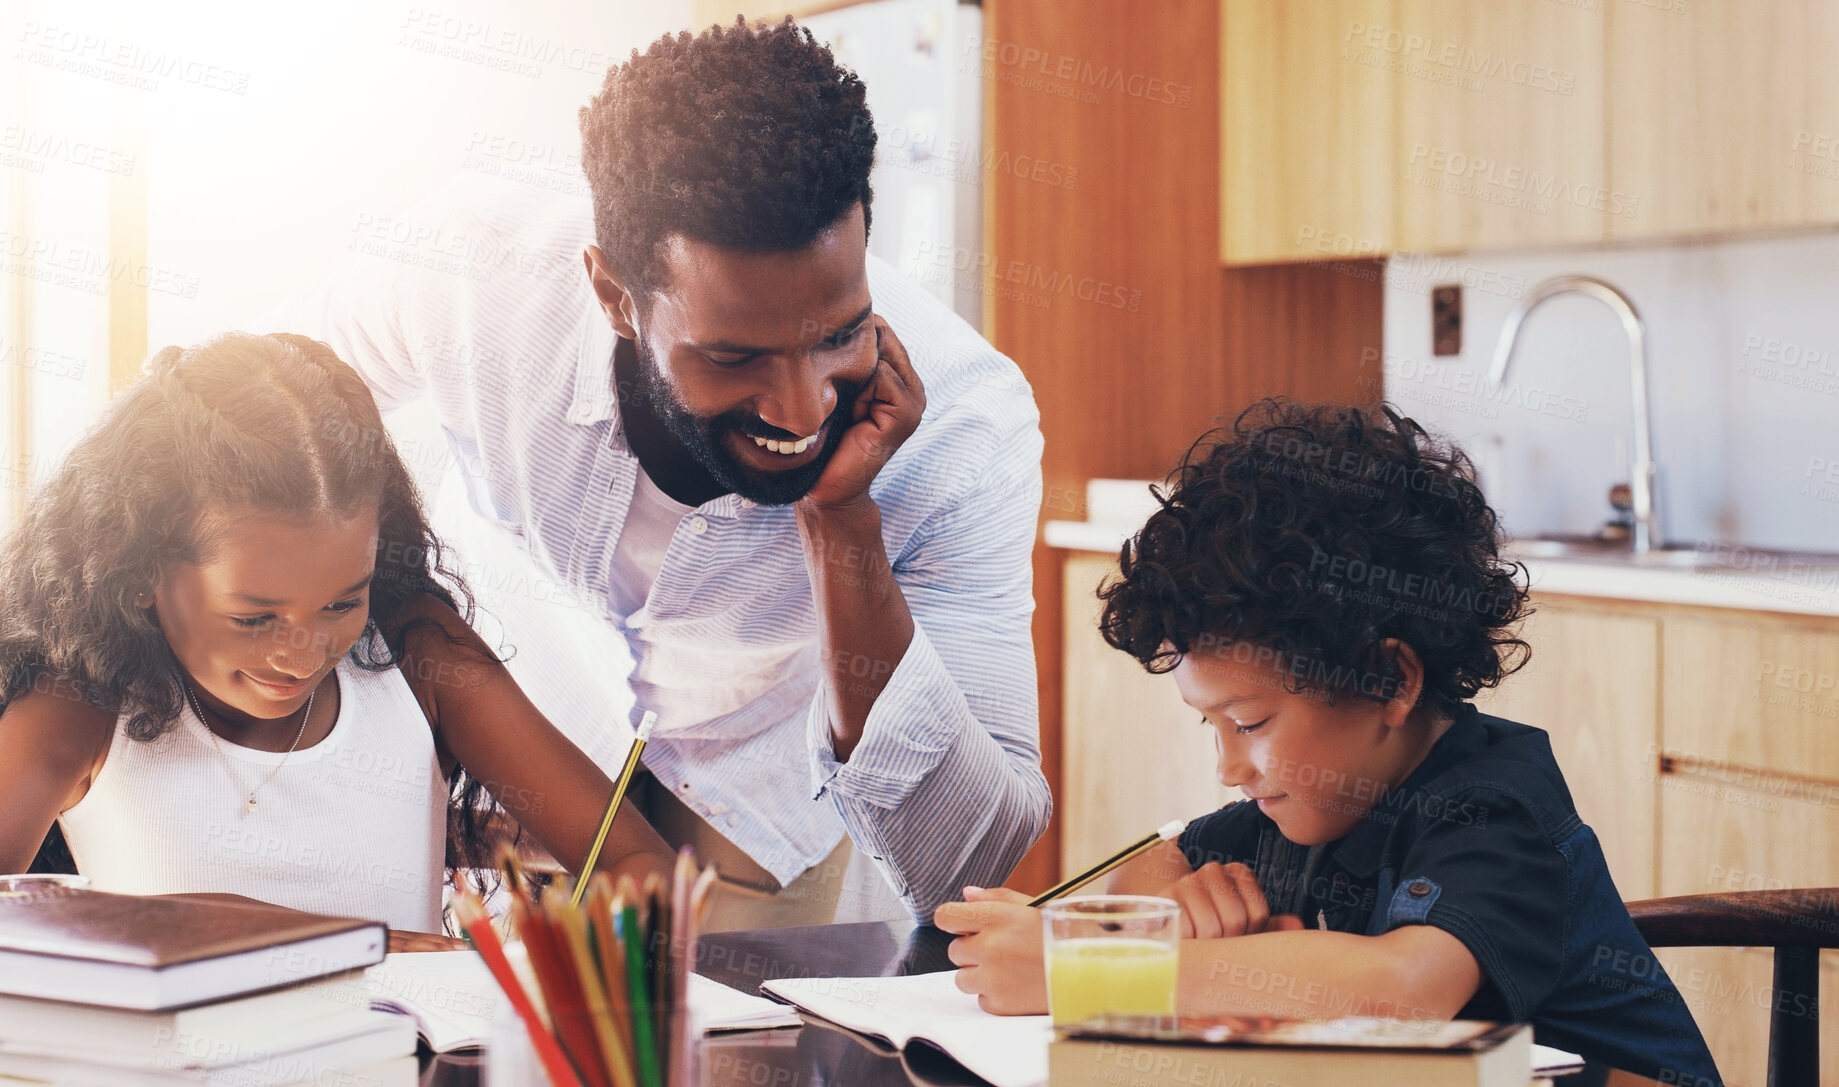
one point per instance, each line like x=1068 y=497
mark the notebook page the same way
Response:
x=715 y=1007
x=1009 y=1051
x=450 y=995
x=1548 y=1061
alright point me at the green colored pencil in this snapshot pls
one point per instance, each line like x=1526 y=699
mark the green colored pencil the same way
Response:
x=638 y=981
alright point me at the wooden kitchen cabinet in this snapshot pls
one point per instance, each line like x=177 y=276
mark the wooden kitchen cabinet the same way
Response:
x=1724 y=117
x=1500 y=125
x=1753 y=692
x=1360 y=127
x=1725 y=832
x=1698 y=743
x=1134 y=754
x=1592 y=684
x=1749 y=800
x=1305 y=131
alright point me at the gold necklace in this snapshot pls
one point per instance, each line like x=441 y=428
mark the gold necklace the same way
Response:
x=217 y=746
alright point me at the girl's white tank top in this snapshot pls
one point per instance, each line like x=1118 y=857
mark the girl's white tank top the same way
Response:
x=355 y=825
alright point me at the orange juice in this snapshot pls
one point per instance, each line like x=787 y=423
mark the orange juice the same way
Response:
x=1088 y=977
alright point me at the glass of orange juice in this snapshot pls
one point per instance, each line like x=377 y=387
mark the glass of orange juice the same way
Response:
x=1110 y=955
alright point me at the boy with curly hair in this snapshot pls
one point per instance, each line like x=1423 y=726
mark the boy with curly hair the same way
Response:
x=1326 y=587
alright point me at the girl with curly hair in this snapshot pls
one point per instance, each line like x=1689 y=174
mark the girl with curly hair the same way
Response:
x=234 y=658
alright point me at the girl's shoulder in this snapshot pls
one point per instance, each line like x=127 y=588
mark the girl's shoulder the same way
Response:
x=54 y=729
x=55 y=701
x=438 y=651
x=429 y=628
x=422 y=610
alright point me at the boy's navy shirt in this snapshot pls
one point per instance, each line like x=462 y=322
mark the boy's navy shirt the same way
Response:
x=1482 y=841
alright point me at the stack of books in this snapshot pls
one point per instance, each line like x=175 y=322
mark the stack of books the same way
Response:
x=123 y=991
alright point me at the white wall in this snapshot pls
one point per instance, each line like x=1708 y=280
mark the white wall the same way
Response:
x=262 y=137
x=357 y=114
x=1744 y=350
x=354 y=112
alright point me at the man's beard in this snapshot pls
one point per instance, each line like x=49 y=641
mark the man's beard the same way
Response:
x=706 y=439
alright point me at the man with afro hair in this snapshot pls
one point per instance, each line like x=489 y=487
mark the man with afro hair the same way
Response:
x=793 y=486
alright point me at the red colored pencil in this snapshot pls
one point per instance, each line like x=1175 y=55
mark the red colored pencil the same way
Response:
x=562 y=995
x=479 y=932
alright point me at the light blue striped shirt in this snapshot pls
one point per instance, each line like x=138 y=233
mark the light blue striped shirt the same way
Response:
x=487 y=311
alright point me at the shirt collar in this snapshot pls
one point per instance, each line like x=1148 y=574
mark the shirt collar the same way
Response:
x=1358 y=851
x=594 y=400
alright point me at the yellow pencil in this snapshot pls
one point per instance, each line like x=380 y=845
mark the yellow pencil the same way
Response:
x=619 y=793
x=571 y=925
x=1167 y=833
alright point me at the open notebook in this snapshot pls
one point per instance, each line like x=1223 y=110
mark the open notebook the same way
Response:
x=452 y=998
x=929 y=1009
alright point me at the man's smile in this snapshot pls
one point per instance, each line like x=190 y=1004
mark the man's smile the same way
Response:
x=787 y=448
x=770 y=455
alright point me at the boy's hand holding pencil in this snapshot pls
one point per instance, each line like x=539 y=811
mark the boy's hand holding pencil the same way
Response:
x=1001 y=954
x=999 y=949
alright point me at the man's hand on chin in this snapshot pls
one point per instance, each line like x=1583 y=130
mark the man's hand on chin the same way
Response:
x=887 y=412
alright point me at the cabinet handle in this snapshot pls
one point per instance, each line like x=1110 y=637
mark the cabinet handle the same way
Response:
x=1746 y=776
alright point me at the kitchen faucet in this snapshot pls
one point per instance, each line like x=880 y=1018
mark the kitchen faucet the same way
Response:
x=1647 y=517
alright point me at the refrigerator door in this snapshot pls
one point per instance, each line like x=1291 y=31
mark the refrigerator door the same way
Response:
x=921 y=61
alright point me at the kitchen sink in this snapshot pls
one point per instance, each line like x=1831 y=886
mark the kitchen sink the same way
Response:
x=1726 y=557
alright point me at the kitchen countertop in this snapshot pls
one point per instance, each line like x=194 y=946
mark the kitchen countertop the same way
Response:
x=1750 y=580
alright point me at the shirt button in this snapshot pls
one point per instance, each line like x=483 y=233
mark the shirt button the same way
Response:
x=747 y=503
x=684 y=787
x=699 y=525
x=1418 y=888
